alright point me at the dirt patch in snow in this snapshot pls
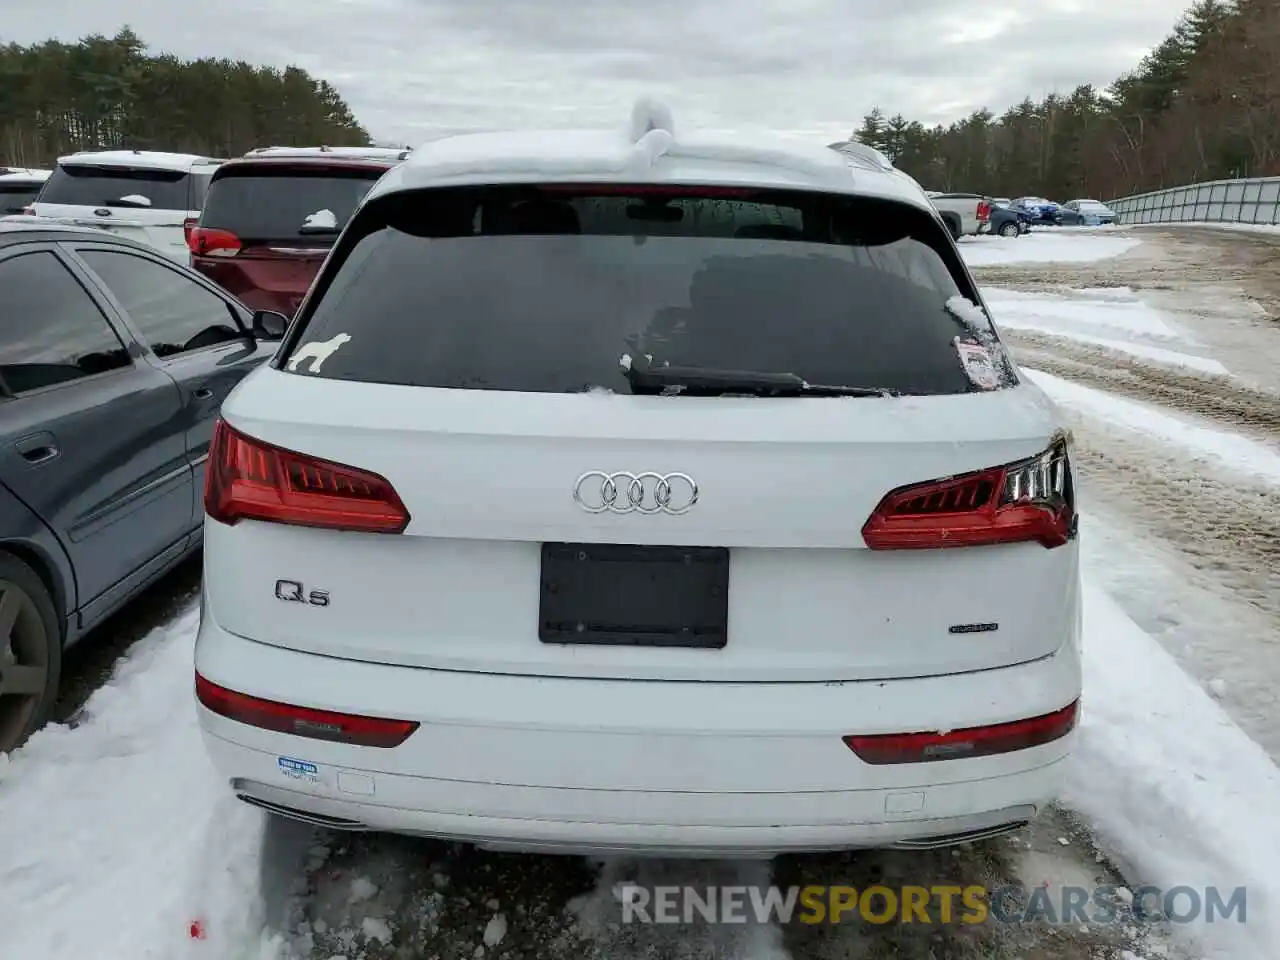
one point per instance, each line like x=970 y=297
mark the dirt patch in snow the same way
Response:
x=368 y=897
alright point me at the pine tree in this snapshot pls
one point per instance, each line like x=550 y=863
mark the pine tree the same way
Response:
x=110 y=92
x=872 y=130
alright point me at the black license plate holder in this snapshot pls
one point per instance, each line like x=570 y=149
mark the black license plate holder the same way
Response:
x=634 y=595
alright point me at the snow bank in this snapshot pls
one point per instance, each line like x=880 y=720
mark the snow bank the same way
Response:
x=1241 y=454
x=1271 y=229
x=1171 y=785
x=1116 y=321
x=117 y=836
x=1043 y=246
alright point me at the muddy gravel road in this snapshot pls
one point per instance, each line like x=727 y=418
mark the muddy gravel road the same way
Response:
x=1213 y=530
x=1222 y=285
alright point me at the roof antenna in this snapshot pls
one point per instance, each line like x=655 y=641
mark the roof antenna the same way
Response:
x=652 y=131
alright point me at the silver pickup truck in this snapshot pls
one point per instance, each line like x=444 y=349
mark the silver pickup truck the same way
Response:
x=965 y=214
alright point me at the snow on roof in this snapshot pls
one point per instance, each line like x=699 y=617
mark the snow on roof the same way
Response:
x=862 y=154
x=17 y=222
x=648 y=149
x=25 y=174
x=139 y=159
x=359 y=153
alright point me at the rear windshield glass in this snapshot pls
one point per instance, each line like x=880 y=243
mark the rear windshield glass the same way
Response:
x=299 y=206
x=554 y=290
x=14 y=196
x=113 y=186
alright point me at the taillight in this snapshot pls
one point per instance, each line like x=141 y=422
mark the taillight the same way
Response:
x=1032 y=499
x=984 y=210
x=204 y=242
x=247 y=479
x=886 y=748
x=187 y=226
x=349 y=728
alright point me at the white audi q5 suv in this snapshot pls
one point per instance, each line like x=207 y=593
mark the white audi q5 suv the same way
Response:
x=635 y=490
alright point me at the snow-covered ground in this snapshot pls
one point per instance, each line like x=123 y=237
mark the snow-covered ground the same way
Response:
x=1113 y=318
x=1269 y=229
x=117 y=840
x=1045 y=245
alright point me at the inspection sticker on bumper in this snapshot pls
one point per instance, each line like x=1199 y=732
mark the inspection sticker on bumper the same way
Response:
x=298 y=769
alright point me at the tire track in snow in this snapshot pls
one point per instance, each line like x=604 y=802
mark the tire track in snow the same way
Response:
x=1167 y=260
x=1209 y=529
x=1215 y=398
x=1226 y=527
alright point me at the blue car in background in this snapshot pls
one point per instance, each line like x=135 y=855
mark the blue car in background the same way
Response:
x=1039 y=209
x=1006 y=220
x=1085 y=213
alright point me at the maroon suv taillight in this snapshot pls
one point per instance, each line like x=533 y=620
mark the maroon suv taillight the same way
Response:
x=354 y=729
x=887 y=748
x=1028 y=500
x=204 y=242
x=247 y=479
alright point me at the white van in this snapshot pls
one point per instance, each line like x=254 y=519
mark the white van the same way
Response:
x=140 y=194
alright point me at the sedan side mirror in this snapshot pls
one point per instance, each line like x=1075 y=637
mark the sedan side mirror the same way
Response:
x=269 y=325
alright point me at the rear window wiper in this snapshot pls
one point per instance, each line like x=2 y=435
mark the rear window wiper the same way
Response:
x=649 y=376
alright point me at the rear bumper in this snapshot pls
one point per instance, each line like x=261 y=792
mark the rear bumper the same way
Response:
x=593 y=766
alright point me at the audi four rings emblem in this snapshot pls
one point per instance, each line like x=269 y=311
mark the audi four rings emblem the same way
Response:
x=598 y=492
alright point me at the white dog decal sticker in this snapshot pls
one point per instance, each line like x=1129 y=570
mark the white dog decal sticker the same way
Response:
x=318 y=351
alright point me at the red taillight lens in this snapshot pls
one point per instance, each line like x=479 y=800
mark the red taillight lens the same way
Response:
x=204 y=242
x=984 y=210
x=303 y=721
x=188 y=225
x=247 y=479
x=1032 y=499
x=887 y=748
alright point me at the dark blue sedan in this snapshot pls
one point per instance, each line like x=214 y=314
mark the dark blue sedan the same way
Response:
x=114 y=362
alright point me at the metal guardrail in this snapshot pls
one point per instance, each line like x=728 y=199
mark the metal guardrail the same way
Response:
x=1255 y=200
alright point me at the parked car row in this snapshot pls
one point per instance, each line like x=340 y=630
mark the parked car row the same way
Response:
x=1074 y=213
x=969 y=214
x=258 y=225
x=138 y=289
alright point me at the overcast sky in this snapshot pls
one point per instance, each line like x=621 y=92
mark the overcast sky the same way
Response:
x=411 y=69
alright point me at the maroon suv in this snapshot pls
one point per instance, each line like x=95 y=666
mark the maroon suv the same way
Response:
x=270 y=217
